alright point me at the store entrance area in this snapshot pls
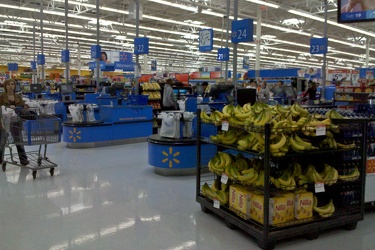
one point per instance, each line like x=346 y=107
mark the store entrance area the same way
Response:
x=110 y=198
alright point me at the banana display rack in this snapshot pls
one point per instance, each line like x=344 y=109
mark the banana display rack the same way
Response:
x=296 y=174
x=32 y=130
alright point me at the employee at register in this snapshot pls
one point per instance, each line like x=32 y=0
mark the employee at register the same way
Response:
x=169 y=97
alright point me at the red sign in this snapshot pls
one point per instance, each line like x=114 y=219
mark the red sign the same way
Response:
x=215 y=74
x=184 y=78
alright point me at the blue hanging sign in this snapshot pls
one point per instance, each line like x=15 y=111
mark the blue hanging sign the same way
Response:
x=41 y=59
x=223 y=54
x=154 y=65
x=242 y=31
x=319 y=45
x=33 y=65
x=141 y=45
x=124 y=66
x=206 y=40
x=65 y=56
x=96 y=51
x=126 y=57
x=92 y=65
x=12 y=67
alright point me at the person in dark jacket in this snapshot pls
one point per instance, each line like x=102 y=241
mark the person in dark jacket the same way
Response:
x=311 y=92
x=10 y=99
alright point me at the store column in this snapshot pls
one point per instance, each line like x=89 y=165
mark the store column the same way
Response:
x=257 y=42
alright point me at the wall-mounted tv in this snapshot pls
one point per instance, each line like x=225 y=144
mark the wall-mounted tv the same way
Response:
x=349 y=11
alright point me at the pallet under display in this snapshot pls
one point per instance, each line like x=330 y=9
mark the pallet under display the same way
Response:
x=307 y=205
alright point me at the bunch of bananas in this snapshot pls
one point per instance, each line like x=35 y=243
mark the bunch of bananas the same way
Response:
x=329 y=175
x=312 y=123
x=279 y=145
x=151 y=86
x=354 y=175
x=312 y=175
x=286 y=180
x=229 y=137
x=219 y=162
x=333 y=114
x=253 y=141
x=297 y=144
x=297 y=111
x=329 y=142
x=216 y=191
x=324 y=211
x=248 y=177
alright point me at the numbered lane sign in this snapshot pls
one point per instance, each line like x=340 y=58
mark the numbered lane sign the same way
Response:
x=242 y=31
x=206 y=40
x=319 y=45
x=141 y=45
x=223 y=54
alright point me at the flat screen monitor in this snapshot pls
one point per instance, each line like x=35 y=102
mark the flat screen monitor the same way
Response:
x=246 y=96
x=36 y=88
x=220 y=92
x=349 y=11
x=66 y=89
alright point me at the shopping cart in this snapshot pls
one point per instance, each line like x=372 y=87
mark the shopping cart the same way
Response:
x=30 y=130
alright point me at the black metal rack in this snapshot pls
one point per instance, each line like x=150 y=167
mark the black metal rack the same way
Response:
x=346 y=215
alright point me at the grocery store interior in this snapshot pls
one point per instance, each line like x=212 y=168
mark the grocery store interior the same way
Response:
x=187 y=124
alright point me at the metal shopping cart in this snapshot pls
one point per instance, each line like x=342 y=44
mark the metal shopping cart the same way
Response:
x=30 y=130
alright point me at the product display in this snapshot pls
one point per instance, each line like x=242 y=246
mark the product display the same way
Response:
x=275 y=160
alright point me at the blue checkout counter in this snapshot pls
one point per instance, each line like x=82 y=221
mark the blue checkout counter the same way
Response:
x=118 y=125
x=174 y=157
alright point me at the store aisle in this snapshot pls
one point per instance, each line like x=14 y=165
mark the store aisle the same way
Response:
x=109 y=198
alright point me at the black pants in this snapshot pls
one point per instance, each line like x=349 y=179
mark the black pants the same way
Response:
x=16 y=131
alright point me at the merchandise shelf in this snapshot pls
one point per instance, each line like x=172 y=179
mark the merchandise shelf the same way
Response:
x=348 y=211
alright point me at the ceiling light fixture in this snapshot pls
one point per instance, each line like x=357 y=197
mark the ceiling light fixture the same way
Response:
x=273 y=5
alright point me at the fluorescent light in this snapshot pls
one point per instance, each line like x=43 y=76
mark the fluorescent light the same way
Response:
x=119 y=37
x=208 y=12
x=193 y=22
x=293 y=21
x=306 y=14
x=273 y=5
x=191 y=36
x=176 y=5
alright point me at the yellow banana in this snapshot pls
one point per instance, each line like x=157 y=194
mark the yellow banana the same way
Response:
x=350 y=177
x=242 y=116
x=324 y=209
x=295 y=146
x=301 y=142
x=294 y=112
x=302 y=111
x=248 y=176
x=279 y=144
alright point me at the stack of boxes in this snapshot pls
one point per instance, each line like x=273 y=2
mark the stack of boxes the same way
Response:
x=283 y=207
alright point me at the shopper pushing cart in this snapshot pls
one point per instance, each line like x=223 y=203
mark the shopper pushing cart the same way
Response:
x=25 y=127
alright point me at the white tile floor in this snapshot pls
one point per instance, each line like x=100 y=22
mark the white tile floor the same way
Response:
x=110 y=198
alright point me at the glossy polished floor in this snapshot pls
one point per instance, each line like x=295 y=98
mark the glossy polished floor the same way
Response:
x=110 y=198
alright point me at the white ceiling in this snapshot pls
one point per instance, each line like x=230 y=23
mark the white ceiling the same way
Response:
x=172 y=26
